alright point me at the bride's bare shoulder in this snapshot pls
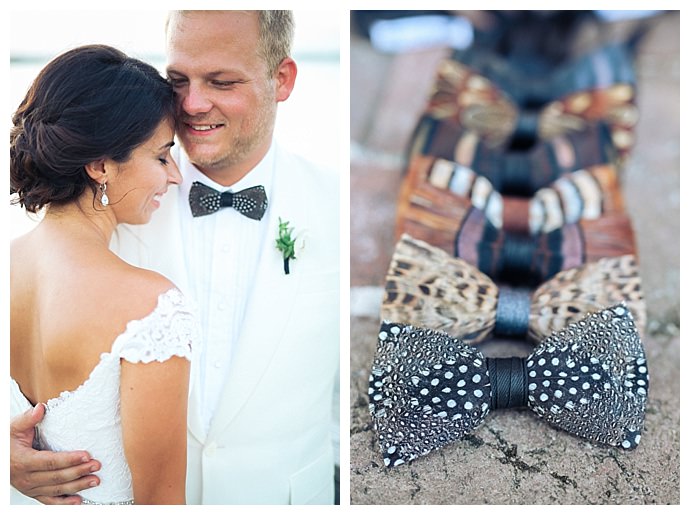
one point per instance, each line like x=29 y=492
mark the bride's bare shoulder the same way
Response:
x=135 y=291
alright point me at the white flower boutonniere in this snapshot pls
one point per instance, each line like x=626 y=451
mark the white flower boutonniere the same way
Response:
x=292 y=246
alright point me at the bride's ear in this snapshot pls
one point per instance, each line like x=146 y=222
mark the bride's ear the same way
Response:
x=97 y=170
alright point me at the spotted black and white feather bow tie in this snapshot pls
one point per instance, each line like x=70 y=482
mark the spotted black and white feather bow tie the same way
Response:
x=204 y=200
x=428 y=389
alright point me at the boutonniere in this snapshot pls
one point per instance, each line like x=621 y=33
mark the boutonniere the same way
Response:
x=291 y=246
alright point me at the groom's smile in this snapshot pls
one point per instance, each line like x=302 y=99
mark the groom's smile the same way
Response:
x=202 y=129
x=226 y=96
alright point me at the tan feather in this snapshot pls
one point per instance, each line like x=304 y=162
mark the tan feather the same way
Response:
x=569 y=295
x=428 y=288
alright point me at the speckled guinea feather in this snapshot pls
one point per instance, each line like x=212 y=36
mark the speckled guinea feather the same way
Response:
x=591 y=378
x=427 y=389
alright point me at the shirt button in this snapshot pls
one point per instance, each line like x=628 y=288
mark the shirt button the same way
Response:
x=226 y=248
x=217 y=364
x=210 y=449
x=221 y=306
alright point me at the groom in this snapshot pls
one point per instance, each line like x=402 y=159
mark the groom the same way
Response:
x=262 y=382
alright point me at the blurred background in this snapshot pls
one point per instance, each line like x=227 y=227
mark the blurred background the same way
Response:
x=308 y=123
x=513 y=458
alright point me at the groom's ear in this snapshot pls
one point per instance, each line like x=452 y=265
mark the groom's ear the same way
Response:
x=96 y=170
x=285 y=79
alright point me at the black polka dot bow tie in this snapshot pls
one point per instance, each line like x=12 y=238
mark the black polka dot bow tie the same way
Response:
x=251 y=202
x=427 y=389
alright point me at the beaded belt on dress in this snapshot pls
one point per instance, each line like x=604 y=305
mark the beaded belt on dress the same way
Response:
x=86 y=501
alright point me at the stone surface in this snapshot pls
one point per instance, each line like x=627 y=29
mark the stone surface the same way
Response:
x=514 y=457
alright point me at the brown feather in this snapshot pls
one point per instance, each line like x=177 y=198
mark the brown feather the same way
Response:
x=427 y=287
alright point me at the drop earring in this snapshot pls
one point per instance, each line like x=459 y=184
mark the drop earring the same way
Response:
x=104 y=198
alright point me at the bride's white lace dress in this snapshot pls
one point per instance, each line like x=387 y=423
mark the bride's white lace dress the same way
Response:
x=88 y=418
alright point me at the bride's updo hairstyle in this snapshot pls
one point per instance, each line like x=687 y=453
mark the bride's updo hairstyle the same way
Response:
x=90 y=103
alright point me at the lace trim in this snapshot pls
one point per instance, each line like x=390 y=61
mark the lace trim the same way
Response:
x=56 y=401
x=173 y=307
x=167 y=331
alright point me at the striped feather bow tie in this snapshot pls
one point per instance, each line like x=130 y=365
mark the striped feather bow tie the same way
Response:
x=426 y=287
x=428 y=389
x=515 y=172
x=440 y=186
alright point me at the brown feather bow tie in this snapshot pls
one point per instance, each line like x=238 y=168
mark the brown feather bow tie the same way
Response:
x=476 y=103
x=444 y=189
x=426 y=287
x=515 y=172
x=522 y=259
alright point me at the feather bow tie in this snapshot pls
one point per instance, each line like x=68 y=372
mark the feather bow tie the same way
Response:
x=521 y=259
x=512 y=172
x=598 y=87
x=427 y=389
x=605 y=66
x=426 y=287
x=448 y=190
x=251 y=202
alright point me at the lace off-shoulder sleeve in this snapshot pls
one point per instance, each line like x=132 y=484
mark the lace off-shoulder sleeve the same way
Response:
x=171 y=329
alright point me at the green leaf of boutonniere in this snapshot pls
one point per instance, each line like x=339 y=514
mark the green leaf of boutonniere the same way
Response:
x=286 y=243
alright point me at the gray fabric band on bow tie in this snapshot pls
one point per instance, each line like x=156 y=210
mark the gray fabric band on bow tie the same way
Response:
x=512 y=312
x=251 y=202
x=508 y=378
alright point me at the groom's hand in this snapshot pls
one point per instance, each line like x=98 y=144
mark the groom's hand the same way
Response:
x=48 y=477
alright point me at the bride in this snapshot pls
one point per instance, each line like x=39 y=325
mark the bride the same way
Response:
x=104 y=346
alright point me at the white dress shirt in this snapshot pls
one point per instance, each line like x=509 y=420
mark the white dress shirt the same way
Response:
x=222 y=253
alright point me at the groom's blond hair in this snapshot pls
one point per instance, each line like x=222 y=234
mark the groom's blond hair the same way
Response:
x=276 y=32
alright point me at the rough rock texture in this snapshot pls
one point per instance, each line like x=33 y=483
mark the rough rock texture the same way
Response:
x=515 y=458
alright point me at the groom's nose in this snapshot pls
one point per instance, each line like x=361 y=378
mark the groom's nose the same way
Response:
x=195 y=100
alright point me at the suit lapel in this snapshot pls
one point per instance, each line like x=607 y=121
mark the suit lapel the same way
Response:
x=269 y=305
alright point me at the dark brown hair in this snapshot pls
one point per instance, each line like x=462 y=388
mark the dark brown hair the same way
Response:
x=89 y=103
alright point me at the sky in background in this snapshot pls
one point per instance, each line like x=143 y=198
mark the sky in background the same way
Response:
x=308 y=123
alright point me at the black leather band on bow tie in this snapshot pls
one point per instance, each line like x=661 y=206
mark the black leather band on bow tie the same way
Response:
x=508 y=378
x=512 y=312
x=515 y=174
x=227 y=198
x=516 y=258
x=251 y=202
x=526 y=130
x=517 y=253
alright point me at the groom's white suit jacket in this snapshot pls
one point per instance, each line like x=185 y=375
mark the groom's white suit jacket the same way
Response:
x=270 y=436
